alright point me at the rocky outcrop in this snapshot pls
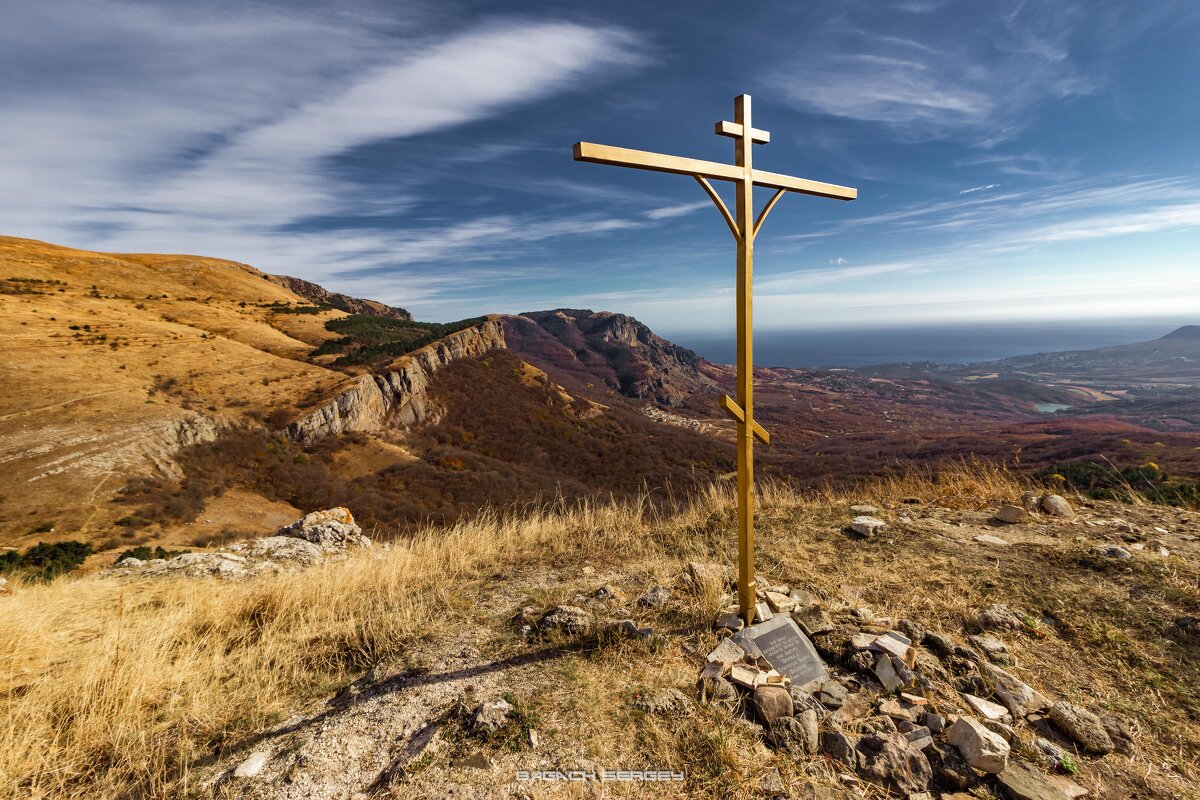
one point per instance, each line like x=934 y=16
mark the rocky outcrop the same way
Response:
x=396 y=397
x=319 y=295
x=305 y=543
x=611 y=349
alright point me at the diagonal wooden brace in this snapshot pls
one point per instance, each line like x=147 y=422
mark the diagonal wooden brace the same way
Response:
x=734 y=410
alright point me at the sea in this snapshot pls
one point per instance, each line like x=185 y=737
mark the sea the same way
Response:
x=946 y=344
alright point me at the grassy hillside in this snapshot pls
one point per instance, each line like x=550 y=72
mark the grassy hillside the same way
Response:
x=109 y=361
x=137 y=689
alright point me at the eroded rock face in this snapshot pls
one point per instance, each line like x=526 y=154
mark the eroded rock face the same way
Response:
x=613 y=349
x=396 y=397
x=319 y=295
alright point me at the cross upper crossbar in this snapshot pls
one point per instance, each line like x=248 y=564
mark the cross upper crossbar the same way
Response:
x=658 y=162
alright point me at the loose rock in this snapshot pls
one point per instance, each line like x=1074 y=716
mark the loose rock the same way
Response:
x=982 y=749
x=664 y=703
x=252 y=765
x=1020 y=698
x=491 y=717
x=1057 y=506
x=887 y=761
x=831 y=694
x=1082 y=726
x=571 y=620
x=656 y=597
x=949 y=767
x=1024 y=782
x=1011 y=515
x=867 y=526
x=1000 y=617
x=730 y=622
x=795 y=735
x=1115 y=551
x=772 y=703
x=839 y=747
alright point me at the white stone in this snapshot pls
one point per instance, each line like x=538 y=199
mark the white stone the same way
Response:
x=252 y=765
x=867 y=526
x=987 y=538
x=986 y=708
x=982 y=749
x=727 y=652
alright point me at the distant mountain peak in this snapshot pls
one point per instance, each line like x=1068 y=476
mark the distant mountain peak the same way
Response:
x=1184 y=332
x=609 y=348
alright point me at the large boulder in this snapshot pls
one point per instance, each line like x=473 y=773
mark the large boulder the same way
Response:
x=331 y=530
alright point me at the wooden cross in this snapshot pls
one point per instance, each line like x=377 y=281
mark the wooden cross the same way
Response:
x=744 y=177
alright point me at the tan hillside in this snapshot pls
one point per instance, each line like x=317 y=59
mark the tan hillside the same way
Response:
x=360 y=676
x=108 y=362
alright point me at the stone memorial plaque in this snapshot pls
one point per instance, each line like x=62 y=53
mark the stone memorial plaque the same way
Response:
x=787 y=648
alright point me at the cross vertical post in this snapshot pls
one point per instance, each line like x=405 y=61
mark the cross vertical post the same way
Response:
x=744 y=227
x=743 y=151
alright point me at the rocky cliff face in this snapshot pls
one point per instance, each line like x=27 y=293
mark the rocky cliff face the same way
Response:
x=319 y=295
x=396 y=397
x=610 y=349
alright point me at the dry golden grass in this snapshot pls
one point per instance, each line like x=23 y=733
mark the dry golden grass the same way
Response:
x=113 y=688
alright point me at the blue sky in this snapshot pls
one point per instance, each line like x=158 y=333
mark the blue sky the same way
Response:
x=1014 y=160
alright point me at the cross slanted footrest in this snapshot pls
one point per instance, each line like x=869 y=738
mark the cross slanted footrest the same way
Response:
x=734 y=410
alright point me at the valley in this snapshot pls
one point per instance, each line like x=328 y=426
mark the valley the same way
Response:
x=178 y=401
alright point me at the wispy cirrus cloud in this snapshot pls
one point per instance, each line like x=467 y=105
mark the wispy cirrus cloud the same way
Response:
x=922 y=79
x=983 y=188
x=213 y=129
x=670 y=212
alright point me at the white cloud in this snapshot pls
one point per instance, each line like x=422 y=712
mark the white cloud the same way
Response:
x=194 y=129
x=670 y=212
x=984 y=188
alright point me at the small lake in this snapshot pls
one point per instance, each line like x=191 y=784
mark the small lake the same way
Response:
x=1049 y=408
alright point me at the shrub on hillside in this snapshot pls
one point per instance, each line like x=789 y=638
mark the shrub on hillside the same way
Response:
x=45 y=561
x=144 y=553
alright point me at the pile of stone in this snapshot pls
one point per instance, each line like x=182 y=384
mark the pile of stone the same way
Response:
x=906 y=709
x=306 y=542
x=1033 y=504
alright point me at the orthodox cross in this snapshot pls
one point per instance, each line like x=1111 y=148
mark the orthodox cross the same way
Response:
x=744 y=177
